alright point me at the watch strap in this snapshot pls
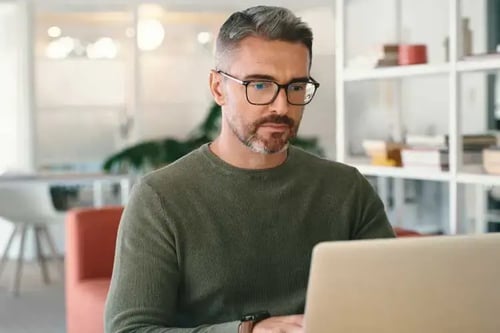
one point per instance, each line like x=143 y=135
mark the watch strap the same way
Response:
x=248 y=321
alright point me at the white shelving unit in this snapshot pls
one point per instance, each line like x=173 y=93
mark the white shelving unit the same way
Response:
x=379 y=171
x=478 y=65
x=394 y=72
x=453 y=69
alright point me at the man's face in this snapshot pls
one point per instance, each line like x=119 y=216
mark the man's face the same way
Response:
x=263 y=128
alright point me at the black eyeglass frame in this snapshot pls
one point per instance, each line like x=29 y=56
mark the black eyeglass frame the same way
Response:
x=280 y=86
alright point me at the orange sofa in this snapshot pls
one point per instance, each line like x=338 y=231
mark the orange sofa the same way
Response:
x=90 y=249
x=401 y=232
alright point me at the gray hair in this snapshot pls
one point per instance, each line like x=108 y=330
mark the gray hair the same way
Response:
x=272 y=23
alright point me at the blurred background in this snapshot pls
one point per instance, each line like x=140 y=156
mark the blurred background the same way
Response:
x=95 y=93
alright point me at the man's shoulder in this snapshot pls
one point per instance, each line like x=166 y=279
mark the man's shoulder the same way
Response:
x=179 y=171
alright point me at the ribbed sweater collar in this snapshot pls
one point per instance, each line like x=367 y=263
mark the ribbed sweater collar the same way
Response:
x=228 y=169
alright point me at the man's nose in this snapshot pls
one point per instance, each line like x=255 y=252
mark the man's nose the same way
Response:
x=280 y=103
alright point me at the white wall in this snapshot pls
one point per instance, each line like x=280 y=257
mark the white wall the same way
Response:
x=9 y=92
x=319 y=116
x=16 y=148
x=76 y=97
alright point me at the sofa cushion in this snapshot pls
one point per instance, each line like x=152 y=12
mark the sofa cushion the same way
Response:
x=88 y=312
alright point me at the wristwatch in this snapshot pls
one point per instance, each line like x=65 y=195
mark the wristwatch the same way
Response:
x=248 y=321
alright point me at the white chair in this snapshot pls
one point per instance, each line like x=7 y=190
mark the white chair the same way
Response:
x=29 y=205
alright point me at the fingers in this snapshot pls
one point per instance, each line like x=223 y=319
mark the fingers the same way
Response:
x=281 y=324
x=293 y=319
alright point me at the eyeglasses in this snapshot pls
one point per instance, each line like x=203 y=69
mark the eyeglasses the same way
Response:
x=264 y=92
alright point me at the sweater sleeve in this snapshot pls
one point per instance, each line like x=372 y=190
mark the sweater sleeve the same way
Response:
x=370 y=218
x=143 y=293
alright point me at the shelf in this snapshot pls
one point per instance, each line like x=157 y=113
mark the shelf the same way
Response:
x=397 y=172
x=351 y=74
x=476 y=175
x=480 y=64
x=469 y=175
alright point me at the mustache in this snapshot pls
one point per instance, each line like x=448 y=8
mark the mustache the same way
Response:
x=276 y=119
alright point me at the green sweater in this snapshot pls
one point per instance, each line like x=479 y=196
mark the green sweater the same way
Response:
x=202 y=242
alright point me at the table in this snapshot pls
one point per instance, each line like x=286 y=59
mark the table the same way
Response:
x=97 y=180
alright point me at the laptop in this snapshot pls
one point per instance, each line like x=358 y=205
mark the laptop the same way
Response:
x=436 y=284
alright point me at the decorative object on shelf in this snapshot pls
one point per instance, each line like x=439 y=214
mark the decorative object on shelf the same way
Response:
x=412 y=54
x=388 y=55
x=380 y=56
x=383 y=153
x=491 y=160
x=466 y=50
x=149 y=155
x=466 y=37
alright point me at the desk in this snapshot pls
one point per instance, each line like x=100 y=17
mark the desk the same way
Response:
x=97 y=180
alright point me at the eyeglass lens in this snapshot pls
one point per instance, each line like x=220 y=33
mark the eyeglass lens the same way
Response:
x=264 y=92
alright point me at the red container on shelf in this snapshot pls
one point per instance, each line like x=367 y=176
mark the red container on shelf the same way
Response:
x=412 y=54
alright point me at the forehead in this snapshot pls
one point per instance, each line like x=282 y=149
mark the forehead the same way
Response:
x=280 y=59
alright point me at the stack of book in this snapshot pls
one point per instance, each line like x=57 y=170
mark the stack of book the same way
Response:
x=431 y=153
x=383 y=153
x=491 y=160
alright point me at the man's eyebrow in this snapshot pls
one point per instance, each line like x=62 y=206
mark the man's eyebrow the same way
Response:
x=271 y=78
x=259 y=77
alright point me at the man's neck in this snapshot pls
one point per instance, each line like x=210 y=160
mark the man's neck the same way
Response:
x=241 y=156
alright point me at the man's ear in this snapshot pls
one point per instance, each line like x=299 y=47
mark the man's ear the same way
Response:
x=215 y=82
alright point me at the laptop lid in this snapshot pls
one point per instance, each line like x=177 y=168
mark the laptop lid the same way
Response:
x=413 y=285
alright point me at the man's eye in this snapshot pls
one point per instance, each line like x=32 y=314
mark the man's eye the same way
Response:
x=260 y=85
x=297 y=87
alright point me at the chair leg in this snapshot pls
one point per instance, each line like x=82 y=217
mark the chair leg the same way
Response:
x=19 y=266
x=7 y=248
x=52 y=246
x=42 y=260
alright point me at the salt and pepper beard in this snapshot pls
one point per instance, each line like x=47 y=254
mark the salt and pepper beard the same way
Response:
x=258 y=144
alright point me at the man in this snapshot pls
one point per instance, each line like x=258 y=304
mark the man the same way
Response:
x=228 y=230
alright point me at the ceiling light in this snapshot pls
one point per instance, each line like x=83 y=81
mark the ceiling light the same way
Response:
x=204 y=37
x=103 y=48
x=60 y=48
x=150 y=34
x=54 y=31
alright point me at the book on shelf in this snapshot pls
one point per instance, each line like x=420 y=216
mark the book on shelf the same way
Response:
x=491 y=160
x=469 y=141
x=428 y=157
x=435 y=159
x=383 y=152
x=370 y=145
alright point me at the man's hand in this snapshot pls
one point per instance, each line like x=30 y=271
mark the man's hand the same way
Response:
x=283 y=324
